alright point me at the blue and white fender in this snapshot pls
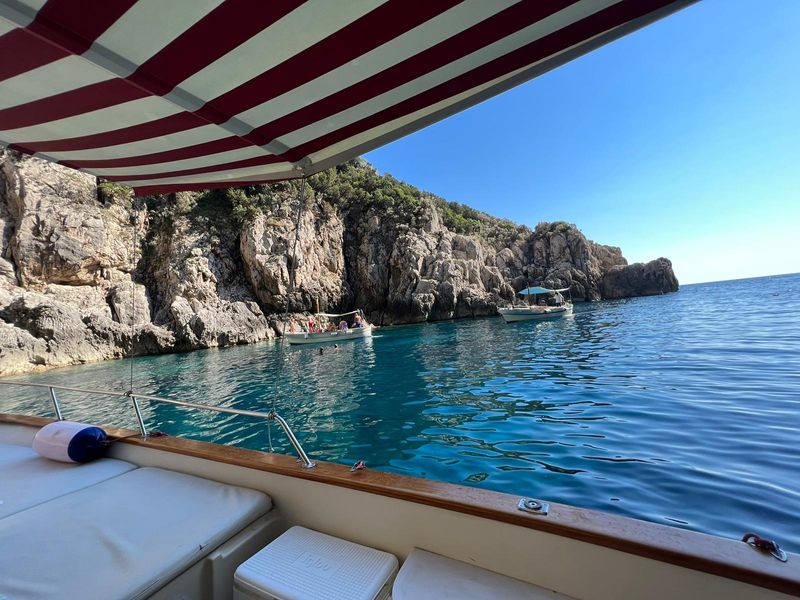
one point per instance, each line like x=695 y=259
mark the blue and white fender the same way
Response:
x=71 y=442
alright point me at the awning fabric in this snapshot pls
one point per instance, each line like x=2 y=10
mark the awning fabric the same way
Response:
x=335 y=315
x=168 y=95
x=532 y=291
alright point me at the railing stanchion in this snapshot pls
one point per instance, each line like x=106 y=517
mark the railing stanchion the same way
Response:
x=139 y=416
x=56 y=407
x=301 y=454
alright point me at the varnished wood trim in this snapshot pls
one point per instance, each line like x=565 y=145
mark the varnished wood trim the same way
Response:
x=697 y=551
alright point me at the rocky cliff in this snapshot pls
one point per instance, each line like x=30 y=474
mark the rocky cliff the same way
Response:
x=88 y=273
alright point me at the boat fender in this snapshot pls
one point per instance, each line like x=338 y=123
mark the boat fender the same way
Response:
x=67 y=441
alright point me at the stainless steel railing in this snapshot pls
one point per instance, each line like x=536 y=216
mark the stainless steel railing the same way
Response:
x=134 y=397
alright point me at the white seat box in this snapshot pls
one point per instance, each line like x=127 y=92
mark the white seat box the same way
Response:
x=429 y=576
x=303 y=564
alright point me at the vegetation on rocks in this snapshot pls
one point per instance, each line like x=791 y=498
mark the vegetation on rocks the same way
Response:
x=357 y=184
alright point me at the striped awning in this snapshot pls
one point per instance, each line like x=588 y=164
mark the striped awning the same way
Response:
x=168 y=95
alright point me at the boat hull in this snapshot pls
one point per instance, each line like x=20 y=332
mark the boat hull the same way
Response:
x=329 y=337
x=534 y=313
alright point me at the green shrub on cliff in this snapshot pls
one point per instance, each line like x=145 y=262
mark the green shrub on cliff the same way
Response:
x=554 y=227
x=247 y=202
x=109 y=192
x=459 y=217
x=354 y=187
x=355 y=184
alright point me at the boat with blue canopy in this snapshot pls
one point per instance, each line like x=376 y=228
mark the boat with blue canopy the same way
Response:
x=542 y=303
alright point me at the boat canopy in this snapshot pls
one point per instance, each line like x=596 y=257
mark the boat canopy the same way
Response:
x=532 y=291
x=332 y=315
x=177 y=95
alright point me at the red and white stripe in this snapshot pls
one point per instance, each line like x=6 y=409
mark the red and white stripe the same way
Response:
x=194 y=94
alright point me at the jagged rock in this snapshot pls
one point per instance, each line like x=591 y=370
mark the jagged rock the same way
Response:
x=61 y=234
x=640 y=279
x=266 y=248
x=129 y=302
x=20 y=351
x=39 y=331
x=86 y=299
x=198 y=284
x=200 y=327
x=64 y=258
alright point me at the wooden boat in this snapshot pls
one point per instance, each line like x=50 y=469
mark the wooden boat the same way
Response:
x=290 y=90
x=330 y=337
x=533 y=311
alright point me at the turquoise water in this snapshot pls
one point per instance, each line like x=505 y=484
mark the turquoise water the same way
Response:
x=681 y=409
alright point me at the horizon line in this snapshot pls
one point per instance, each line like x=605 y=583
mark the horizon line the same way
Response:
x=739 y=278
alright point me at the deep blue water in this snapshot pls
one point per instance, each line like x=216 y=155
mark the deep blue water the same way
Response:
x=681 y=409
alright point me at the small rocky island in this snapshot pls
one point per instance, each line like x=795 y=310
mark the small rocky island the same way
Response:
x=88 y=272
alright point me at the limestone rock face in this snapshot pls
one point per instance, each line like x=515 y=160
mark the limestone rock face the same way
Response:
x=66 y=260
x=40 y=331
x=60 y=233
x=640 y=279
x=195 y=275
x=88 y=274
x=266 y=245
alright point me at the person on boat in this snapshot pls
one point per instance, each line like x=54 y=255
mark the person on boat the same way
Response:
x=331 y=327
x=559 y=299
x=292 y=326
x=343 y=325
x=312 y=325
x=357 y=322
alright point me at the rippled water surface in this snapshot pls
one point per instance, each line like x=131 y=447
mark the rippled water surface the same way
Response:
x=681 y=409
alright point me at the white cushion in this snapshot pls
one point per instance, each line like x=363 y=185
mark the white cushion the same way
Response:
x=18 y=435
x=122 y=538
x=425 y=576
x=27 y=479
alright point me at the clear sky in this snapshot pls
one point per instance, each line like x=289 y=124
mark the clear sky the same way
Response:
x=680 y=140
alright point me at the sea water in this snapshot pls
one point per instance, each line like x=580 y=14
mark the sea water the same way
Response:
x=681 y=409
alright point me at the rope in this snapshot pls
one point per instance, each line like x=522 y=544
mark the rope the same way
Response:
x=765 y=545
x=133 y=286
x=292 y=275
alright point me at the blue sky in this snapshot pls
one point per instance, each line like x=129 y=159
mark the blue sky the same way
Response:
x=680 y=140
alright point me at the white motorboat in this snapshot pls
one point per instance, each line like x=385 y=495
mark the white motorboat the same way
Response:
x=360 y=330
x=538 y=310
